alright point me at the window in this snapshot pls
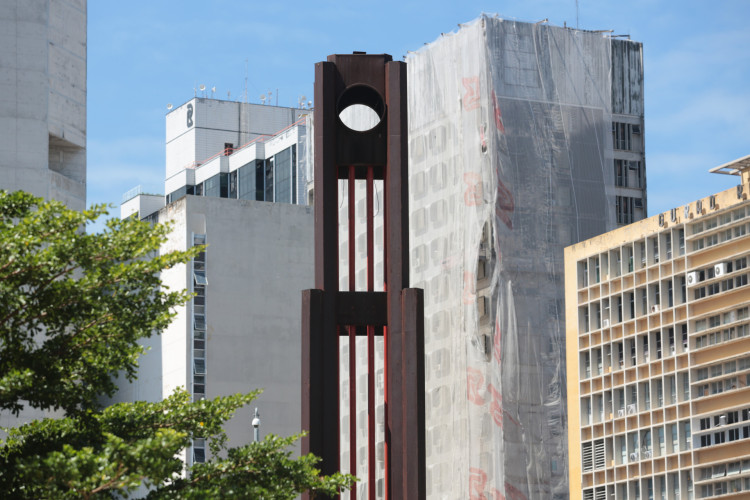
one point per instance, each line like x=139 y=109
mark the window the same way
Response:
x=621 y=173
x=200 y=278
x=199 y=450
x=283 y=176
x=233 y=184
x=216 y=186
x=622 y=135
x=199 y=366
x=625 y=208
x=719 y=437
x=269 y=188
x=199 y=322
x=260 y=181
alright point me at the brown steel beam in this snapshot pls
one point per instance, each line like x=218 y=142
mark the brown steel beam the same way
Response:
x=412 y=380
x=362 y=308
x=397 y=266
x=319 y=383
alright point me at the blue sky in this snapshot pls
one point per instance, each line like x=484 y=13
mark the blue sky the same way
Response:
x=143 y=55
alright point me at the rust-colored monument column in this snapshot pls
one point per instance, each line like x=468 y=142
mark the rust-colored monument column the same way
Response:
x=380 y=153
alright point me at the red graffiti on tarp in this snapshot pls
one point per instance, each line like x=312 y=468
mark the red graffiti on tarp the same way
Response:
x=513 y=493
x=498 y=115
x=504 y=204
x=470 y=284
x=477 y=483
x=471 y=97
x=474 y=384
x=473 y=192
x=496 y=495
x=496 y=406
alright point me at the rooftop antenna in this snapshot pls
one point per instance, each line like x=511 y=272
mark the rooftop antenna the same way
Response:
x=202 y=88
x=577 y=14
x=269 y=96
x=213 y=91
x=301 y=101
x=277 y=96
x=263 y=98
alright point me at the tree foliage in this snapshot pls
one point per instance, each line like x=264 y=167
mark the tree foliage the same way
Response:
x=72 y=309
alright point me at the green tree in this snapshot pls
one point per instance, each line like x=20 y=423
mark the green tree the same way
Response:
x=72 y=309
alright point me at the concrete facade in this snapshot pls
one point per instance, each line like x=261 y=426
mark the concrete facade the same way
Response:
x=658 y=350
x=43 y=98
x=242 y=331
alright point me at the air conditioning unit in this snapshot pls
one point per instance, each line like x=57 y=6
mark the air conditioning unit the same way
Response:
x=692 y=278
x=605 y=323
x=722 y=420
x=621 y=412
x=631 y=409
x=720 y=269
x=655 y=308
x=634 y=456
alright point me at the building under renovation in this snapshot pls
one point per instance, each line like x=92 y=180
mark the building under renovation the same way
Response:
x=523 y=139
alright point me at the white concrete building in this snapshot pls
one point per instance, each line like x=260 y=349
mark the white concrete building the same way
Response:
x=241 y=331
x=43 y=109
x=43 y=98
x=236 y=150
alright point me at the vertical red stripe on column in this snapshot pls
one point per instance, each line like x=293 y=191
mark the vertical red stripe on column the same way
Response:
x=352 y=342
x=370 y=341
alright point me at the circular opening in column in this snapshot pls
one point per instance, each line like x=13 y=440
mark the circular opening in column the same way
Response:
x=360 y=108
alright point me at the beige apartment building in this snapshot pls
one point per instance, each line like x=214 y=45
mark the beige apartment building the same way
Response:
x=658 y=353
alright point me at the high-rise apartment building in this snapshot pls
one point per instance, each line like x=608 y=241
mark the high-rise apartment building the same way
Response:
x=225 y=161
x=658 y=353
x=43 y=99
x=523 y=139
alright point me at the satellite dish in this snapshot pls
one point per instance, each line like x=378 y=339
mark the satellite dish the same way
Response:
x=213 y=89
x=309 y=104
x=169 y=106
x=202 y=87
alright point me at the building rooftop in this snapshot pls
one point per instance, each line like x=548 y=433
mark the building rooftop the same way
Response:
x=734 y=167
